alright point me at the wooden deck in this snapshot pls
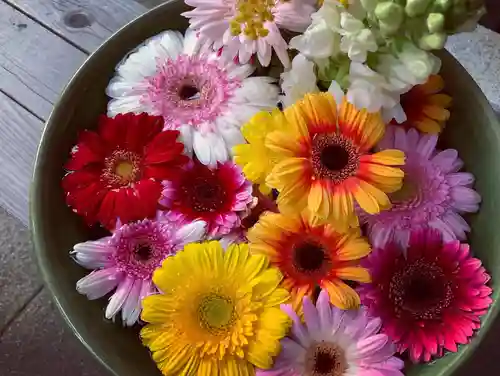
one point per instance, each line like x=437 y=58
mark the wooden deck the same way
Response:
x=42 y=43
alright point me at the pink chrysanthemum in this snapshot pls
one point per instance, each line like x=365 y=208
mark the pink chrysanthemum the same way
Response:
x=429 y=296
x=434 y=193
x=334 y=342
x=243 y=28
x=217 y=196
x=126 y=262
x=195 y=91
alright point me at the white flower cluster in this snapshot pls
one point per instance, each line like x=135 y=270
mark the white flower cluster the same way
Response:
x=346 y=54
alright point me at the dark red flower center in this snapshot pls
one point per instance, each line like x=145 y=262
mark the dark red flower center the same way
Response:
x=333 y=157
x=122 y=168
x=188 y=92
x=143 y=253
x=421 y=290
x=325 y=359
x=204 y=193
x=310 y=257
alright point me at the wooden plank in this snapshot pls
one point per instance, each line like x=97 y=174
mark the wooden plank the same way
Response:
x=86 y=23
x=20 y=133
x=35 y=64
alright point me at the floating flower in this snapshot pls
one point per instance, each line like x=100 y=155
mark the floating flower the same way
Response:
x=357 y=40
x=426 y=107
x=310 y=255
x=298 y=81
x=332 y=342
x=254 y=157
x=117 y=171
x=218 y=313
x=434 y=193
x=215 y=195
x=429 y=295
x=197 y=93
x=245 y=28
x=126 y=262
x=321 y=40
x=325 y=164
x=371 y=90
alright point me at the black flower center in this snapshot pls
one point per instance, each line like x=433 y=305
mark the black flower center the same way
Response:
x=325 y=359
x=204 y=193
x=143 y=253
x=188 y=92
x=309 y=257
x=421 y=290
x=333 y=157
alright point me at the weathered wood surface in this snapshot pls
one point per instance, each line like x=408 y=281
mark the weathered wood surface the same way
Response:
x=35 y=64
x=20 y=133
x=85 y=23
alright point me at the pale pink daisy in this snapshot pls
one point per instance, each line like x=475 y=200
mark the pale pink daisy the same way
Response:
x=242 y=28
x=195 y=91
x=125 y=262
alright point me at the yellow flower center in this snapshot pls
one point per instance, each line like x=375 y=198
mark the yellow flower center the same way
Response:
x=124 y=169
x=251 y=15
x=216 y=313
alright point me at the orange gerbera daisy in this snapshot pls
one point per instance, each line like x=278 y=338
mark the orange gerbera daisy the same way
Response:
x=325 y=164
x=311 y=254
x=426 y=107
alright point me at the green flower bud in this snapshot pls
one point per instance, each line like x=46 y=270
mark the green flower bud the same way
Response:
x=416 y=7
x=435 y=22
x=434 y=41
x=388 y=29
x=442 y=5
x=369 y=5
x=390 y=13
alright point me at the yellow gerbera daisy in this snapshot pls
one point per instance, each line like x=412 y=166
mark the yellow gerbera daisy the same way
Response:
x=310 y=254
x=255 y=158
x=325 y=164
x=426 y=107
x=219 y=313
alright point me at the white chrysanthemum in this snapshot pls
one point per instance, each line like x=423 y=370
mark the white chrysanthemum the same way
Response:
x=197 y=93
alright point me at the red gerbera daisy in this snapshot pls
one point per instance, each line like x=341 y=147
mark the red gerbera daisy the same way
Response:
x=117 y=171
x=217 y=196
x=429 y=296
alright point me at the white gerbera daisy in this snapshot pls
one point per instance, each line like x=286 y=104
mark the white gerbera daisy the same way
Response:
x=197 y=93
x=243 y=28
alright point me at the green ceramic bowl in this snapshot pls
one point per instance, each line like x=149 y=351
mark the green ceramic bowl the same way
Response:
x=473 y=130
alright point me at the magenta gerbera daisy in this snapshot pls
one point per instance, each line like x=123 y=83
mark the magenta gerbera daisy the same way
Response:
x=434 y=192
x=334 y=342
x=125 y=262
x=217 y=196
x=243 y=28
x=116 y=171
x=429 y=295
x=194 y=90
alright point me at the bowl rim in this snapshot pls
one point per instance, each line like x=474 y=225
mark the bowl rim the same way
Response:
x=459 y=358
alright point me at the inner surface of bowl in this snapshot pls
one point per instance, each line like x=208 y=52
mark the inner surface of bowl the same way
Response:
x=472 y=130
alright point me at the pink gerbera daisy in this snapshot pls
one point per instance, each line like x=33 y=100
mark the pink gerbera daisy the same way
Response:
x=196 y=92
x=217 y=196
x=434 y=193
x=126 y=262
x=333 y=342
x=429 y=296
x=242 y=28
